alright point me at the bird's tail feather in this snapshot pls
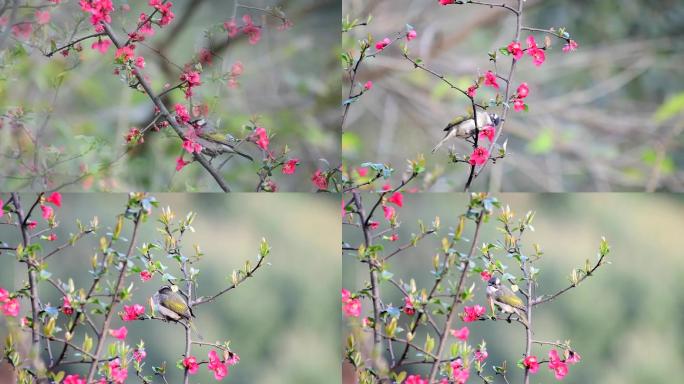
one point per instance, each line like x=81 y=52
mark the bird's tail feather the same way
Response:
x=441 y=142
x=194 y=329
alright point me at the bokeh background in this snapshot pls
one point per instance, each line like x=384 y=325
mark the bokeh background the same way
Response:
x=283 y=322
x=625 y=320
x=290 y=82
x=607 y=117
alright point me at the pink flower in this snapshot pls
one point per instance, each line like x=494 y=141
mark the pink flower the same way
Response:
x=479 y=156
x=237 y=68
x=99 y=11
x=362 y=171
x=573 y=357
x=459 y=373
x=145 y=275
x=119 y=333
x=180 y=163
x=487 y=132
x=118 y=375
x=47 y=212
x=559 y=367
x=490 y=80
x=260 y=138
x=192 y=78
x=473 y=313
x=408 y=306
x=55 y=199
x=251 y=30
x=290 y=166
x=373 y=225
x=66 y=306
x=394 y=237
x=74 y=379
x=472 y=90
x=518 y=105
x=51 y=237
x=22 y=30
x=380 y=45
x=538 y=55
x=570 y=46
x=318 y=179
x=368 y=85
x=446 y=2
x=132 y=312
x=515 y=49
x=233 y=359
x=140 y=62
x=190 y=363
x=231 y=27
x=217 y=366
x=31 y=224
x=485 y=275
x=125 y=53
x=2 y=211
x=397 y=199
x=481 y=355
x=205 y=56
x=11 y=307
x=139 y=355
x=165 y=10
x=351 y=307
x=42 y=17
x=410 y=35
x=192 y=146
x=4 y=295
x=416 y=379
x=389 y=212
x=531 y=363
x=523 y=90
x=182 y=113
x=461 y=334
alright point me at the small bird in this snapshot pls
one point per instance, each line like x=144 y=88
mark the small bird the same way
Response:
x=505 y=298
x=173 y=306
x=213 y=142
x=464 y=126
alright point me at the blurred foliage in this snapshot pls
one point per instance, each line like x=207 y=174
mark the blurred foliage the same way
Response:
x=278 y=321
x=618 y=319
x=81 y=112
x=595 y=114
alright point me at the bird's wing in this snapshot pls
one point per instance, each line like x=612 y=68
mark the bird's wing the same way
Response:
x=177 y=306
x=456 y=121
x=511 y=299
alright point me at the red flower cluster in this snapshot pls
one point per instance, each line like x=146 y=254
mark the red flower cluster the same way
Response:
x=165 y=10
x=248 y=28
x=319 y=180
x=351 y=307
x=132 y=312
x=10 y=307
x=473 y=313
x=99 y=10
x=191 y=79
x=521 y=93
x=479 y=156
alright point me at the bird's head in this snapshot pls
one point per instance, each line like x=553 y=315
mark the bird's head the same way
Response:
x=495 y=119
x=165 y=289
x=494 y=282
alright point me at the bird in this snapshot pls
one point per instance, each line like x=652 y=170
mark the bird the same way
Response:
x=174 y=306
x=505 y=299
x=464 y=126
x=215 y=143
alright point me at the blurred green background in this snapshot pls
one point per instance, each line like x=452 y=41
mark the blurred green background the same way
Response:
x=283 y=322
x=625 y=321
x=607 y=117
x=81 y=125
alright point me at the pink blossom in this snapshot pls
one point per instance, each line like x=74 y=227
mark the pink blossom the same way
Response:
x=461 y=334
x=362 y=171
x=99 y=10
x=11 y=307
x=31 y=224
x=260 y=137
x=119 y=333
x=373 y=225
x=481 y=355
x=47 y=212
x=515 y=49
x=479 y=156
x=351 y=307
x=140 y=62
x=409 y=309
x=132 y=312
x=231 y=27
x=251 y=30
x=416 y=379
x=397 y=199
x=42 y=17
x=518 y=105
x=531 y=363
x=233 y=359
x=410 y=35
x=22 y=30
x=66 y=306
x=51 y=237
x=125 y=53
x=380 y=45
x=192 y=78
x=446 y=2
x=55 y=199
x=570 y=46
x=487 y=132
x=473 y=313
x=101 y=45
x=119 y=374
x=389 y=212
x=217 y=366
x=538 y=55
x=523 y=90
x=290 y=166
x=145 y=275
x=205 y=56
x=573 y=357
x=180 y=163
x=182 y=113
x=190 y=363
x=368 y=85
x=74 y=379
x=559 y=367
x=319 y=180
x=139 y=355
x=192 y=146
x=472 y=90
x=394 y=237
x=237 y=68
x=490 y=80
x=4 y=295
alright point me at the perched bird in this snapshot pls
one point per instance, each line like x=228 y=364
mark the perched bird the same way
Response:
x=464 y=126
x=213 y=142
x=505 y=299
x=173 y=306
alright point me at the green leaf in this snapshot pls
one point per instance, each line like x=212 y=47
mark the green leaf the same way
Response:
x=671 y=107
